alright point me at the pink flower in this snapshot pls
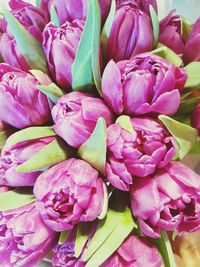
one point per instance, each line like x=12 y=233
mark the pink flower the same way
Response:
x=145 y=84
x=75 y=116
x=24 y=238
x=62 y=43
x=195 y=118
x=168 y=200
x=135 y=252
x=137 y=154
x=131 y=33
x=21 y=103
x=171 y=33
x=13 y=156
x=69 y=193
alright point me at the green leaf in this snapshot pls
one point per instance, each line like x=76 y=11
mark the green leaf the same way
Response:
x=155 y=23
x=50 y=155
x=195 y=148
x=123 y=227
x=125 y=123
x=184 y=134
x=94 y=149
x=186 y=28
x=37 y=3
x=30 y=48
x=63 y=236
x=52 y=91
x=160 y=51
x=54 y=16
x=164 y=246
x=169 y=55
x=42 y=77
x=107 y=27
x=3 y=137
x=30 y=133
x=82 y=234
x=105 y=203
x=14 y=199
x=187 y=105
x=86 y=66
x=193 y=72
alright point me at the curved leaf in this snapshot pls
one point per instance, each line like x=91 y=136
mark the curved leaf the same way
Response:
x=193 y=72
x=82 y=235
x=125 y=123
x=63 y=236
x=186 y=28
x=3 y=137
x=30 y=48
x=52 y=91
x=94 y=149
x=15 y=199
x=155 y=23
x=169 y=55
x=54 y=16
x=51 y=154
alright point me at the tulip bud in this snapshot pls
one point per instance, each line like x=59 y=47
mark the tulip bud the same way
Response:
x=78 y=113
x=24 y=238
x=21 y=103
x=69 y=193
x=145 y=84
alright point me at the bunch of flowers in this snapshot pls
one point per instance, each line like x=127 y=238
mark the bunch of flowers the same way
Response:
x=99 y=102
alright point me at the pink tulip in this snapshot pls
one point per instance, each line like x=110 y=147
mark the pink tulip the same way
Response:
x=195 y=118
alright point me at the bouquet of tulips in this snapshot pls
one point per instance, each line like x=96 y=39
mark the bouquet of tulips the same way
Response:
x=99 y=102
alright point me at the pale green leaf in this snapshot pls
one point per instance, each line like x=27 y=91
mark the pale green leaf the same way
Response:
x=37 y=3
x=54 y=16
x=155 y=23
x=105 y=203
x=42 y=77
x=164 y=246
x=82 y=234
x=86 y=66
x=160 y=51
x=169 y=55
x=3 y=137
x=187 y=105
x=186 y=28
x=195 y=148
x=14 y=199
x=30 y=133
x=63 y=236
x=52 y=91
x=123 y=228
x=184 y=134
x=193 y=72
x=94 y=149
x=125 y=123
x=30 y=48
x=50 y=155
x=107 y=27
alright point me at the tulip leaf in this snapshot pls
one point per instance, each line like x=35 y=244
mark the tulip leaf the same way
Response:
x=186 y=28
x=125 y=123
x=195 y=148
x=155 y=23
x=184 y=134
x=187 y=105
x=164 y=246
x=63 y=236
x=123 y=226
x=169 y=55
x=30 y=133
x=37 y=3
x=3 y=137
x=14 y=199
x=193 y=72
x=107 y=27
x=105 y=203
x=52 y=91
x=86 y=66
x=30 y=48
x=82 y=234
x=94 y=149
x=51 y=154
x=54 y=16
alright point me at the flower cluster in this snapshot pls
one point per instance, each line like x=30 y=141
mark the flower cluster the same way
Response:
x=86 y=91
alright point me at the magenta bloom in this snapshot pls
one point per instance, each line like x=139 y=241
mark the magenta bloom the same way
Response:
x=75 y=117
x=145 y=84
x=24 y=238
x=171 y=33
x=192 y=46
x=138 y=154
x=62 y=43
x=33 y=20
x=3 y=189
x=131 y=33
x=69 y=10
x=168 y=200
x=195 y=118
x=69 y=193
x=135 y=252
x=13 y=156
x=64 y=254
x=27 y=105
